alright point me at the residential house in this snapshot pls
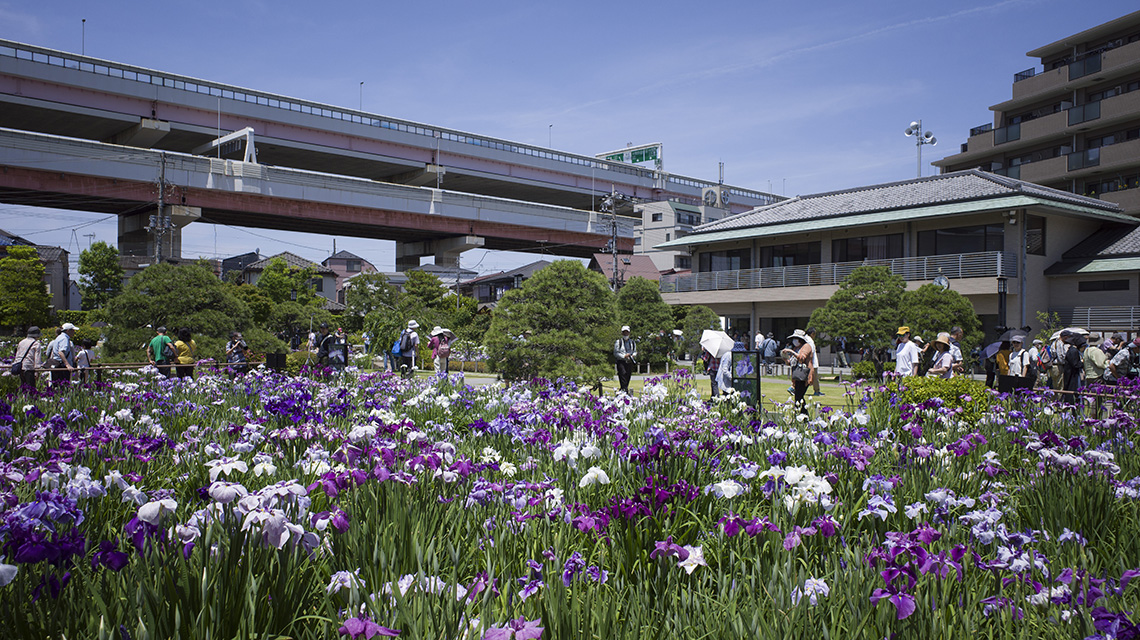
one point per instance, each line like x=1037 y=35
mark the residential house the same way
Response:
x=57 y=279
x=489 y=288
x=346 y=264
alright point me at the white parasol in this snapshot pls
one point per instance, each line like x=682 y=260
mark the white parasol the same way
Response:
x=717 y=343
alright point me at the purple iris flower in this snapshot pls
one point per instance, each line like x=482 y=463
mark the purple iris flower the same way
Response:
x=365 y=628
x=519 y=629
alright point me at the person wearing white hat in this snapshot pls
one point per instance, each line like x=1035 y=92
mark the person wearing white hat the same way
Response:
x=61 y=354
x=625 y=354
x=440 y=344
x=409 y=342
x=1022 y=365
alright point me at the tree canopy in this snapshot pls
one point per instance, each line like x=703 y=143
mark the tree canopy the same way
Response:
x=368 y=293
x=188 y=296
x=865 y=309
x=100 y=275
x=649 y=318
x=698 y=318
x=929 y=310
x=571 y=315
x=24 y=300
x=279 y=281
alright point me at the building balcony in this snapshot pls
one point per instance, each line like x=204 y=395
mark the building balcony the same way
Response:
x=1128 y=199
x=1092 y=162
x=1044 y=171
x=1099 y=318
x=1081 y=73
x=989 y=264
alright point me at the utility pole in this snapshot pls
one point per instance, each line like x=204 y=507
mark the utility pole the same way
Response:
x=613 y=237
x=457 y=282
x=160 y=222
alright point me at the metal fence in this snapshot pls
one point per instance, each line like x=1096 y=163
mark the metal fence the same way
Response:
x=1100 y=318
x=955 y=266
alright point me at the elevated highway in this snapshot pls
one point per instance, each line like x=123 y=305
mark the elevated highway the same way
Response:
x=123 y=180
x=55 y=92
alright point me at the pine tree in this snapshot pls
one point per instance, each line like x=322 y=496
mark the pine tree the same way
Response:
x=570 y=313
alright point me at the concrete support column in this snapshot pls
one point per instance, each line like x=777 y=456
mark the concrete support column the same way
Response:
x=139 y=232
x=444 y=250
x=448 y=249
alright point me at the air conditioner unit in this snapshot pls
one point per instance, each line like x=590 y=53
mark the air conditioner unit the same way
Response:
x=717 y=196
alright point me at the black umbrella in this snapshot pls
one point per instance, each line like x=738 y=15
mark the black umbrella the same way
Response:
x=1008 y=335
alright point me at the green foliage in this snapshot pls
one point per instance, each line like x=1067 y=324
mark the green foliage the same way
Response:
x=24 y=300
x=968 y=395
x=77 y=318
x=175 y=296
x=425 y=289
x=698 y=318
x=278 y=281
x=83 y=332
x=865 y=308
x=467 y=322
x=1050 y=324
x=293 y=315
x=571 y=314
x=260 y=305
x=365 y=294
x=864 y=369
x=650 y=321
x=100 y=276
x=929 y=310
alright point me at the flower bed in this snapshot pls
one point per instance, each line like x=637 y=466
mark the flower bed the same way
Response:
x=364 y=505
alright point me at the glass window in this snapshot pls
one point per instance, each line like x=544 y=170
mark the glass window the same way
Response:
x=1103 y=285
x=881 y=247
x=786 y=255
x=976 y=239
x=734 y=260
x=1035 y=235
x=656 y=217
x=352 y=266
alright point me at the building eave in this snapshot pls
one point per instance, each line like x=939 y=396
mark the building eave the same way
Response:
x=988 y=205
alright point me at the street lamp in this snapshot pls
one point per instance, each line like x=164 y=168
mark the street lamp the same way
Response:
x=921 y=138
x=1002 y=291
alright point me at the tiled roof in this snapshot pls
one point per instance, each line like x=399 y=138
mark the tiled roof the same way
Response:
x=342 y=255
x=960 y=186
x=50 y=254
x=525 y=270
x=1112 y=248
x=291 y=260
x=640 y=265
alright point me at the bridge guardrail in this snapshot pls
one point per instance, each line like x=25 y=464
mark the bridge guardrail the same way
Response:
x=230 y=92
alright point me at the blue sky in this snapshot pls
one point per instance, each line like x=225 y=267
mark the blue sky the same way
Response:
x=792 y=100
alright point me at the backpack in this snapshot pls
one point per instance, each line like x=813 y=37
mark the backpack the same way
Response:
x=406 y=343
x=168 y=351
x=1032 y=366
x=1045 y=358
x=443 y=350
x=396 y=347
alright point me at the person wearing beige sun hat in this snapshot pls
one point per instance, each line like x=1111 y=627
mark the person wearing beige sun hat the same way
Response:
x=943 y=365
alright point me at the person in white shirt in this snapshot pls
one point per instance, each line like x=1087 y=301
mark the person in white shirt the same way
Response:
x=1018 y=357
x=814 y=361
x=943 y=365
x=906 y=354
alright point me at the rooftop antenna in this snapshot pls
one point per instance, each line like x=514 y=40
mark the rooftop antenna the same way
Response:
x=83 y=39
x=721 y=172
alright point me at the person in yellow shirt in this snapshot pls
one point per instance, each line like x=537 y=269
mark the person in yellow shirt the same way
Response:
x=185 y=360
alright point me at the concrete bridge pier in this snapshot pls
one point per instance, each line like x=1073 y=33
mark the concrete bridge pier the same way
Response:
x=140 y=232
x=445 y=250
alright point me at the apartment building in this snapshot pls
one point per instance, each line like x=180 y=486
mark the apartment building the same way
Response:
x=1072 y=123
x=659 y=222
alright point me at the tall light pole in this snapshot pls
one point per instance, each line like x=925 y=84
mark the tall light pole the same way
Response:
x=361 y=108
x=550 y=137
x=920 y=138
